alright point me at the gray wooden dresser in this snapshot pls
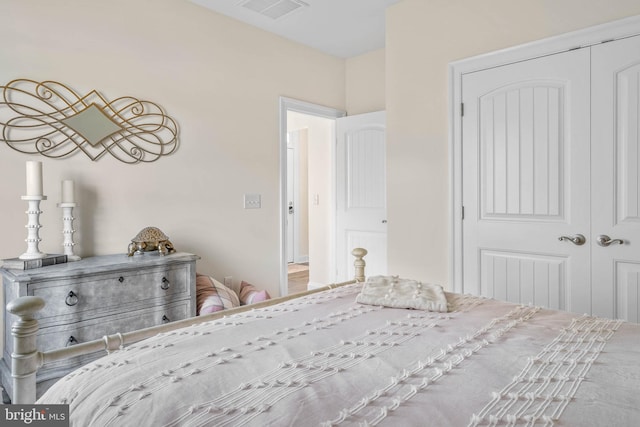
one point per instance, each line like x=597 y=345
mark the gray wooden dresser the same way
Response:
x=98 y=296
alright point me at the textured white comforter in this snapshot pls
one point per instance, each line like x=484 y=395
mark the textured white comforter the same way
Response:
x=326 y=360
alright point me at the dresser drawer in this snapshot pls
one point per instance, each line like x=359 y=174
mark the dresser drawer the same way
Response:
x=60 y=336
x=95 y=295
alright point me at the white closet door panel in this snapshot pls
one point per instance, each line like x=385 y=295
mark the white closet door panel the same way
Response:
x=627 y=143
x=615 y=179
x=526 y=178
x=521 y=148
x=524 y=278
x=627 y=289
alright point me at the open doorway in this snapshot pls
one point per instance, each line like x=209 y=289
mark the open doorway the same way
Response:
x=310 y=200
x=307 y=146
x=297 y=202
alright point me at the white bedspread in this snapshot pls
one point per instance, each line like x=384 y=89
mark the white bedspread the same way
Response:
x=326 y=360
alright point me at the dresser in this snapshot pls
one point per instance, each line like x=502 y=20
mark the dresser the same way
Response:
x=98 y=296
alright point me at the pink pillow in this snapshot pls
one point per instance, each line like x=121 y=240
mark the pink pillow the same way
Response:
x=212 y=296
x=250 y=295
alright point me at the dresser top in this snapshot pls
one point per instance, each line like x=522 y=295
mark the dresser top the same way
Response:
x=98 y=264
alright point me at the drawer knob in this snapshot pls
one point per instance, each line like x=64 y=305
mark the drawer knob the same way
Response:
x=165 y=319
x=120 y=279
x=165 y=283
x=71 y=299
x=71 y=341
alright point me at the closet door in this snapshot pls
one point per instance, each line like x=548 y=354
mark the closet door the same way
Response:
x=526 y=181
x=615 y=179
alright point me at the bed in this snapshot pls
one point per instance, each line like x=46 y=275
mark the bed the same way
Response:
x=335 y=357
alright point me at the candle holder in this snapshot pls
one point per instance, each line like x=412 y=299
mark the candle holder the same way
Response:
x=67 y=230
x=33 y=228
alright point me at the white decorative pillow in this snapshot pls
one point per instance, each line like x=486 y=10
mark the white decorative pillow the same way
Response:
x=392 y=291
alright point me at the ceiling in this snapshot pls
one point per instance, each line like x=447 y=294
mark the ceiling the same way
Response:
x=342 y=28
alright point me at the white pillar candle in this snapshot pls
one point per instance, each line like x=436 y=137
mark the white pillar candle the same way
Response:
x=34 y=178
x=68 y=192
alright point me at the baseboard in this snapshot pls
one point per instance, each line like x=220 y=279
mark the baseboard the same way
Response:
x=311 y=285
x=302 y=259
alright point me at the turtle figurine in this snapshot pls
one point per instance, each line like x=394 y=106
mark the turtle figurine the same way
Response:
x=151 y=239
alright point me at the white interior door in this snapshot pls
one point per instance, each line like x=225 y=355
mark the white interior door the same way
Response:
x=616 y=178
x=526 y=181
x=361 y=192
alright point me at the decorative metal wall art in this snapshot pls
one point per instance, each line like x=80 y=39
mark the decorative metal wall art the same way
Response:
x=51 y=119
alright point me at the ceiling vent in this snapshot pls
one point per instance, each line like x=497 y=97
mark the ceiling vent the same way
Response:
x=273 y=9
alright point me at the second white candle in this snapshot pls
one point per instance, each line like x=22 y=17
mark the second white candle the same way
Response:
x=68 y=192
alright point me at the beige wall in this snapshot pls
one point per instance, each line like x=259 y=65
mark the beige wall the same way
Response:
x=219 y=79
x=365 y=82
x=423 y=37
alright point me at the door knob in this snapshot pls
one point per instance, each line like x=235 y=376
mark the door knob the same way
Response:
x=604 y=240
x=578 y=239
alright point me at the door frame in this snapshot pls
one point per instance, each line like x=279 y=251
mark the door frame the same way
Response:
x=292 y=196
x=622 y=28
x=290 y=104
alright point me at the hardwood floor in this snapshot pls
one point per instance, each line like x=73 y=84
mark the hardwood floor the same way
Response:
x=298 y=277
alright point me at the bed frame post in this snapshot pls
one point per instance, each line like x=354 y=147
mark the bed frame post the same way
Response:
x=25 y=359
x=359 y=263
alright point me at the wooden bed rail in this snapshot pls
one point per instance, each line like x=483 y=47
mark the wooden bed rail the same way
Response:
x=26 y=359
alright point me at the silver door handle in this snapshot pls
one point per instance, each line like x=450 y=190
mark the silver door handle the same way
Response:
x=604 y=240
x=578 y=239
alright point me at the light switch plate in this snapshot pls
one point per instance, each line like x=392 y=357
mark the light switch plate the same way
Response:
x=252 y=201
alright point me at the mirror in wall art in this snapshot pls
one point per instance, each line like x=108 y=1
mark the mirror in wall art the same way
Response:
x=50 y=119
